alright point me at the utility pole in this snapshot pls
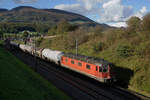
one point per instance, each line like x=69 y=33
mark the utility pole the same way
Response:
x=76 y=47
x=35 y=53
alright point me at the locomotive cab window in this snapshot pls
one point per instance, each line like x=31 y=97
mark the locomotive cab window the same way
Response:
x=72 y=61
x=80 y=64
x=100 y=69
x=88 y=66
x=105 y=68
x=96 y=68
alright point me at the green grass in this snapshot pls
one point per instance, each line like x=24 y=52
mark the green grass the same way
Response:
x=19 y=82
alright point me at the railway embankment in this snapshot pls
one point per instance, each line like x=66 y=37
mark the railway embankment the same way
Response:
x=19 y=82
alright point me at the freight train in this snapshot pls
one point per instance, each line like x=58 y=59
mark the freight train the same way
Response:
x=95 y=68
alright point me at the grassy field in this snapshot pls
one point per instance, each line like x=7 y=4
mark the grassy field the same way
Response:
x=18 y=82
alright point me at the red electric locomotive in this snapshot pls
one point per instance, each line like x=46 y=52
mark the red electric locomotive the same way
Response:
x=96 y=68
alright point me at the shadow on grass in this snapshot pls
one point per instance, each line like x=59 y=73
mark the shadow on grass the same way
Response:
x=123 y=76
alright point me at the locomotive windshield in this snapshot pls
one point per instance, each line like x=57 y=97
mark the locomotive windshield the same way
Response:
x=105 y=68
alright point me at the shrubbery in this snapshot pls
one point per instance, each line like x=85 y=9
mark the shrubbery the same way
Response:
x=98 y=46
x=123 y=50
x=38 y=41
x=63 y=26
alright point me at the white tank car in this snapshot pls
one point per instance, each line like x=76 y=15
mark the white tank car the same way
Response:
x=26 y=48
x=38 y=52
x=52 y=55
x=14 y=44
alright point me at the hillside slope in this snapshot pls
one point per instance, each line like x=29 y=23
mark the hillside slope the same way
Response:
x=127 y=48
x=28 y=14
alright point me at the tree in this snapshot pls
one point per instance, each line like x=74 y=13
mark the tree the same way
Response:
x=38 y=42
x=80 y=34
x=1 y=34
x=146 y=22
x=99 y=46
x=98 y=30
x=64 y=26
x=52 y=30
x=25 y=35
x=123 y=50
x=133 y=24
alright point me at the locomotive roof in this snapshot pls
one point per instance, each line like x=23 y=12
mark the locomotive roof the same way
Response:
x=88 y=59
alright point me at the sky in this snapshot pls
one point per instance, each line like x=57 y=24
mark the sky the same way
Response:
x=111 y=12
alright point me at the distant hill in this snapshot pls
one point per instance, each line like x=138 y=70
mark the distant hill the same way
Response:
x=28 y=14
x=3 y=10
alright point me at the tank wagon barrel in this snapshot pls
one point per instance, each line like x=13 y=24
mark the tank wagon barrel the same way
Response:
x=38 y=52
x=14 y=45
x=52 y=55
x=26 y=48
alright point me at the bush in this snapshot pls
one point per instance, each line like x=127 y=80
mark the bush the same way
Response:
x=110 y=36
x=123 y=51
x=80 y=34
x=133 y=24
x=143 y=49
x=141 y=79
x=146 y=22
x=98 y=46
x=52 y=30
x=38 y=41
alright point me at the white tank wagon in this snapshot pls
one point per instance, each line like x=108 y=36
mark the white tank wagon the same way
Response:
x=38 y=52
x=26 y=48
x=14 y=44
x=52 y=55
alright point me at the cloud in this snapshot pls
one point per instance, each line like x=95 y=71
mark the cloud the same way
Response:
x=141 y=12
x=76 y=8
x=89 y=4
x=114 y=11
x=107 y=10
x=118 y=24
x=24 y=1
x=84 y=7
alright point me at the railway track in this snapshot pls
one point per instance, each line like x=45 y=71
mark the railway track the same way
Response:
x=115 y=93
x=93 y=90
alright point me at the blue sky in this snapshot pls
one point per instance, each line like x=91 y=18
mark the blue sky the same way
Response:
x=112 y=12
